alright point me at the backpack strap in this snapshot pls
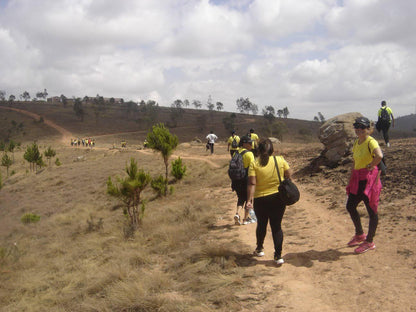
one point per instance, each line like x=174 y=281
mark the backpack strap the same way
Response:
x=277 y=169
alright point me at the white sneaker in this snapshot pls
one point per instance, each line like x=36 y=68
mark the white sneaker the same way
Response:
x=279 y=261
x=388 y=144
x=237 y=220
x=258 y=253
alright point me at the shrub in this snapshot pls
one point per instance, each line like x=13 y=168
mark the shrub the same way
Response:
x=30 y=218
x=129 y=189
x=93 y=226
x=178 y=170
x=159 y=185
x=57 y=162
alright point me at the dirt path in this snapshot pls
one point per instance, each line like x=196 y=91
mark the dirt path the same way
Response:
x=320 y=272
x=66 y=135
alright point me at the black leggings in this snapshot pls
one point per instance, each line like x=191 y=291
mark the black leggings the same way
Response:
x=385 y=130
x=270 y=208
x=352 y=203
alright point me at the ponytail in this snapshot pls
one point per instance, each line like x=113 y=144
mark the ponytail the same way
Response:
x=265 y=150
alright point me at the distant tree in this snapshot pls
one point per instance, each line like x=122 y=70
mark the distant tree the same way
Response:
x=176 y=112
x=64 y=100
x=12 y=145
x=6 y=161
x=220 y=106
x=280 y=113
x=210 y=104
x=276 y=129
x=129 y=191
x=229 y=122
x=186 y=103
x=11 y=98
x=42 y=94
x=149 y=111
x=25 y=96
x=285 y=112
x=130 y=107
x=2 y=95
x=160 y=139
x=98 y=106
x=112 y=101
x=246 y=106
x=49 y=153
x=197 y=103
x=268 y=113
x=79 y=110
x=33 y=156
x=316 y=118
x=85 y=99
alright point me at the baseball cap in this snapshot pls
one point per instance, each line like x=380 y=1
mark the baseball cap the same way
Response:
x=362 y=121
x=245 y=139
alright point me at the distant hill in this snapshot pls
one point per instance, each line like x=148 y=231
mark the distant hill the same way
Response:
x=187 y=124
x=406 y=123
x=123 y=122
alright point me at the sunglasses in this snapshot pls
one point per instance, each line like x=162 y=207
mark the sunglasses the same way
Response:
x=360 y=127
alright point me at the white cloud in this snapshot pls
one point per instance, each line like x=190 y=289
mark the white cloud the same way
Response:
x=311 y=56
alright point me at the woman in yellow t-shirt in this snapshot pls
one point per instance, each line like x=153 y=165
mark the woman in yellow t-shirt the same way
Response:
x=263 y=195
x=364 y=184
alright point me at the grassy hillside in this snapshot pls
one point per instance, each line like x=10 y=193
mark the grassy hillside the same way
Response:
x=192 y=123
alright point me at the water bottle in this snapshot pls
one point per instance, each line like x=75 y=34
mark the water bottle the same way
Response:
x=252 y=215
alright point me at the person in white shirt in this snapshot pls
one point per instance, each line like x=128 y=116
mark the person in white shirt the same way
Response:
x=211 y=137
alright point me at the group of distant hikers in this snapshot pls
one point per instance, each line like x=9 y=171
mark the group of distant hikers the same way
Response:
x=86 y=142
x=255 y=177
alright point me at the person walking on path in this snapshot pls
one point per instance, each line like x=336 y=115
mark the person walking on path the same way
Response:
x=385 y=119
x=240 y=186
x=263 y=195
x=233 y=143
x=211 y=137
x=255 y=138
x=364 y=184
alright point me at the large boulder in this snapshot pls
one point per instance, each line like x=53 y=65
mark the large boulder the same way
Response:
x=337 y=134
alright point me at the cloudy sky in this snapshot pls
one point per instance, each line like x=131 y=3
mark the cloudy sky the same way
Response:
x=328 y=56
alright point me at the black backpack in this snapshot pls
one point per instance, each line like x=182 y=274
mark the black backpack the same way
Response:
x=234 y=144
x=236 y=170
x=384 y=115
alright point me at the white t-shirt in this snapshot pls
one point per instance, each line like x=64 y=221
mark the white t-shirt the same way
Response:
x=211 y=138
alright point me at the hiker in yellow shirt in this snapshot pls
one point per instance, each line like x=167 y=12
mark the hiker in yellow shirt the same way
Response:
x=240 y=186
x=233 y=142
x=255 y=138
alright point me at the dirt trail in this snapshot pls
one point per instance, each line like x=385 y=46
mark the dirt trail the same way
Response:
x=66 y=135
x=320 y=272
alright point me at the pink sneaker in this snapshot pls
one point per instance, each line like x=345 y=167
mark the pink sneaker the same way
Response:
x=357 y=239
x=364 y=246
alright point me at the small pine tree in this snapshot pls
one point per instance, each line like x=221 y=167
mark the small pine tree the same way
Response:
x=129 y=190
x=49 y=153
x=178 y=169
x=32 y=155
x=160 y=139
x=6 y=161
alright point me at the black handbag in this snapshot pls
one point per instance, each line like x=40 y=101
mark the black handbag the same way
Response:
x=289 y=192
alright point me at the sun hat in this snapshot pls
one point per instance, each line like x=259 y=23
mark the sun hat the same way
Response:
x=363 y=121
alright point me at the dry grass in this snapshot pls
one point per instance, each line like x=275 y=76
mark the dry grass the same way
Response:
x=60 y=264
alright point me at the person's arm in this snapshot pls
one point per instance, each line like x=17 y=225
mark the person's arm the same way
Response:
x=378 y=155
x=251 y=187
x=288 y=173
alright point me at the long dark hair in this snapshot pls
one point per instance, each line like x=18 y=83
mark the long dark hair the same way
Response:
x=265 y=150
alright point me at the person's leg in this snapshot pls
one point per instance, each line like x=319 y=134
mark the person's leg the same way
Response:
x=372 y=226
x=276 y=210
x=262 y=219
x=352 y=203
x=385 y=130
x=212 y=148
